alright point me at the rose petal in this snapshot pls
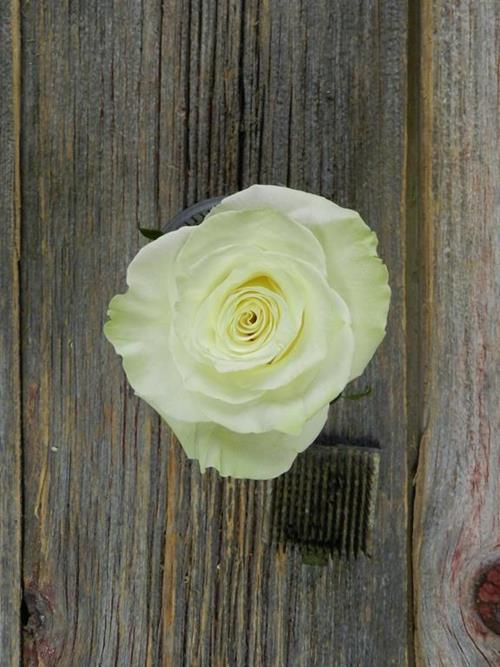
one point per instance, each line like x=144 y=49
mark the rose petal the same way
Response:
x=248 y=455
x=350 y=247
x=139 y=326
x=265 y=229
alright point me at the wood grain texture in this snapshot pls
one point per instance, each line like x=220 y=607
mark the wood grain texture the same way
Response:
x=311 y=95
x=131 y=111
x=95 y=464
x=10 y=404
x=457 y=521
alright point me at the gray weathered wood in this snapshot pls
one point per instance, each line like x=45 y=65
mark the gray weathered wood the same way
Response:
x=10 y=412
x=95 y=465
x=457 y=522
x=312 y=96
x=131 y=111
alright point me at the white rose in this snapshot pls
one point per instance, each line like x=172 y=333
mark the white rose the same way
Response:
x=242 y=330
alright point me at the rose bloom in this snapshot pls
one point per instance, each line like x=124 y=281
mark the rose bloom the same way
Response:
x=239 y=332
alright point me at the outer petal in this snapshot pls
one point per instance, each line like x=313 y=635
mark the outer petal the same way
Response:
x=354 y=269
x=361 y=278
x=139 y=327
x=245 y=455
x=266 y=228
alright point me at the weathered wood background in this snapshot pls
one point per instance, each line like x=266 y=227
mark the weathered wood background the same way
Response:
x=114 y=550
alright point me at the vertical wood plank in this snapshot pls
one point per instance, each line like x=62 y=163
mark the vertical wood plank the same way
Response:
x=10 y=408
x=95 y=473
x=311 y=95
x=457 y=521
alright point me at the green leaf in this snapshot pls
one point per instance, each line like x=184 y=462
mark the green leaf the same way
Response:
x=151 y=234
x=356 y=397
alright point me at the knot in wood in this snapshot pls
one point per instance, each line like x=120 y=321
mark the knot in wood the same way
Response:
x=487 y=598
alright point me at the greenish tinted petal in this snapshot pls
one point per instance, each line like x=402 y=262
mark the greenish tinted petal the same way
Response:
x=245 y=455
x=151 y=272
x=361 y=278
x=139 y=325
x=350 y=247
x=267 y=229
x=301 y=206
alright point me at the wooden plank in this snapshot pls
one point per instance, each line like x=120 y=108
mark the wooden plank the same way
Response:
x=95 y=466
x=10 y=394
x=131 y=111
x=311 y=95
x=457 y=521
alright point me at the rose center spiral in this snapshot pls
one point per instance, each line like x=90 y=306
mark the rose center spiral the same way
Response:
x=250 y=316
x=253 y=317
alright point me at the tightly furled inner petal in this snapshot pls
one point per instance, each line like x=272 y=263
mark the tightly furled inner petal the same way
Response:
x=246 y=322
x=250 y=317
